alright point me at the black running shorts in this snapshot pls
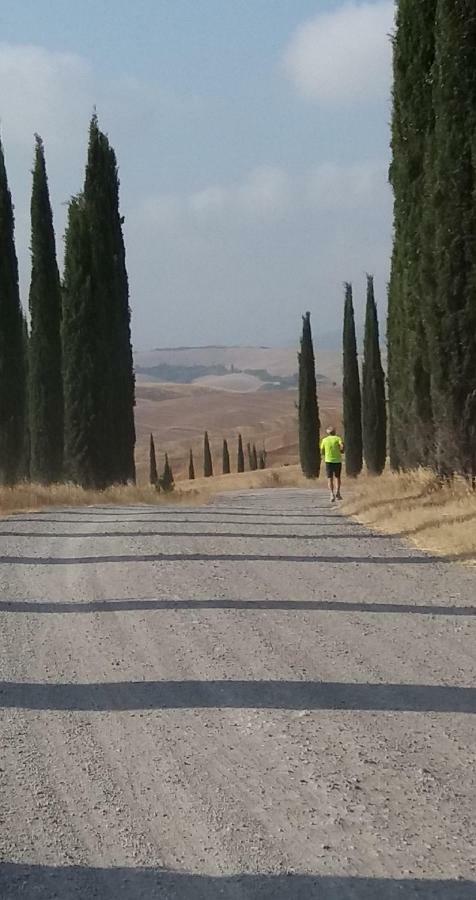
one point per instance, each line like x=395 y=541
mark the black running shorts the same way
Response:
x=333 y=469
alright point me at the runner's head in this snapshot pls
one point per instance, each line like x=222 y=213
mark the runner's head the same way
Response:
x=330 y=430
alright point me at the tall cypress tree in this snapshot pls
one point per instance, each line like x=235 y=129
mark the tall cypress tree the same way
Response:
x=82 y=356
x=153 y=474
x=110 y=284
x=451 y=318
x=309 y=424
x=45 y=375
x=12 y=360
x=25 y=464
x=249 y=454
x=254 y=456
x=240 y=467
x=207 y=457
x=191 y=466
x=352 y=400
x=226 y=458
x=374 y=418
x=409 y=375
x=99 y=402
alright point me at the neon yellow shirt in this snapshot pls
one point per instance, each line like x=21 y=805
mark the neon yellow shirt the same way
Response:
x=330 y=448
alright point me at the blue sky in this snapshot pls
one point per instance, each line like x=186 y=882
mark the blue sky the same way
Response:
x=252 y=139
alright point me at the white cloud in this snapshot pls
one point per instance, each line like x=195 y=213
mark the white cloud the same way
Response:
x=356 y=186
x=43 y=91
x=269 y=193
x=345 y=55
x=263 y=193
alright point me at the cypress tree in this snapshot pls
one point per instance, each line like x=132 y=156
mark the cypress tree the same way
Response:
x=309 y=424
x=25 y=465
x=45 y=375
x=254 y=455
x=191 y=467
x=250 y=456
x=374 y=417
x=110 y=284
x=226 y=458
x=12 y=360
x=241 y=456
x=166 y=481
x=352 y=400
x=451 y=318
x=153 y=474
x=99 y=401
x=82 y=370
x=207 y=457
x=262 y=459
x=409 y=371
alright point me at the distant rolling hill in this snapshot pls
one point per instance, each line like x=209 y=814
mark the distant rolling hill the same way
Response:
x=272 y=366
x=181 y=392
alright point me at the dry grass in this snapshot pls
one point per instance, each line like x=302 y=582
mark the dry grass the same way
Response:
x=31 y=497
x=438 y=518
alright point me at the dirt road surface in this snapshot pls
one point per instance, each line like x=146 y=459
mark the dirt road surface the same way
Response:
x=254 y=699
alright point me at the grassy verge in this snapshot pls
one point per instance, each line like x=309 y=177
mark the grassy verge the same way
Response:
x=30 y=497
x=415 y=506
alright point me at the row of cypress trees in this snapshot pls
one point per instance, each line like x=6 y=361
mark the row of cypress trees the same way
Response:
x=432 y=306
x=67 y=388
x=256 y=460
x=364 y=408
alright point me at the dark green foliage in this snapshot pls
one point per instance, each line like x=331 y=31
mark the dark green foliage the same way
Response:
x=12 y=360
x=153 y=474
x=166 y=481
x=85 y=462
x=432 y=307
x=254 y=457
x=191 y=466
x=352 y=400
x=241 y=457
x=249 y=454
x=451 y=318
x=374 y=413
x=226 y=458
x=110 y=284
x=45 y=386
x=262 y=459
x=207 y=457
x=411 y=292
x=25 y=463
x=309 y=424
x=97 y=354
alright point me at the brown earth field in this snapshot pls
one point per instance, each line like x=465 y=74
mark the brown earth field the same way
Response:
x=178 y=414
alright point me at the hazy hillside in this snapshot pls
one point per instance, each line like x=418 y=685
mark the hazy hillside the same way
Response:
x=184 y=365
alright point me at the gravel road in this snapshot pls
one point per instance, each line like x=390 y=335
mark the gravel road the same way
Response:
x=254 y=699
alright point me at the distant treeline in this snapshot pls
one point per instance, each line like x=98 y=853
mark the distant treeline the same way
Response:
x=183 y=374
x=257 y=459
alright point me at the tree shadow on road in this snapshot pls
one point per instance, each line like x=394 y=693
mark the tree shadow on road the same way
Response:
x=228 y=694
x=80 y=882
x=183 y=558
x=140 y=533
x=136 y=605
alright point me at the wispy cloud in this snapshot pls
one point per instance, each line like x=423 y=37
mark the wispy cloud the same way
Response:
x=272 y=194
x=345 y=55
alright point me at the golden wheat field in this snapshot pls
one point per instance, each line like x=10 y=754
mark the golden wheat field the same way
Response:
x=416 y=506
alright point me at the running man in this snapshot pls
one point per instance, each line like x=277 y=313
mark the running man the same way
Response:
x=332 y=448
